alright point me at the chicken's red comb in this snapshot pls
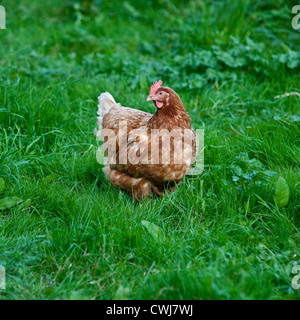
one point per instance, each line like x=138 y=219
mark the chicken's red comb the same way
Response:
x=155 y=86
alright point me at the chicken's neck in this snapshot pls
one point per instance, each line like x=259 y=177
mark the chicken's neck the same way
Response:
x=169 y=117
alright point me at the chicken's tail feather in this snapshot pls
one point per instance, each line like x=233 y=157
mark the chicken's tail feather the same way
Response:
x=106 y=102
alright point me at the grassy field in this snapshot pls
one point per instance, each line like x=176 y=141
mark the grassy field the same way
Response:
x=230 y=233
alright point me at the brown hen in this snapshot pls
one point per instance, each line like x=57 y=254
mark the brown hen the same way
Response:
x=147 y=153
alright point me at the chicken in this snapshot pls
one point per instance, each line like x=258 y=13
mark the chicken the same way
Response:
x=147 y=154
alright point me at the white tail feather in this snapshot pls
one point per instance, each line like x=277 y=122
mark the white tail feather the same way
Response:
x=106 y=102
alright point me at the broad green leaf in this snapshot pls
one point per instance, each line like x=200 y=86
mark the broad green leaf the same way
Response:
x=254 y=164
x=282 y=192
x=235 y=178
x=122 y=293
x=25 y=204
x=50 y=178
x=9 y=202
x=270 y=173
x=237 y=170
x=2 y=185
x=242 y=156
x=295 y=118
x=154 y=230
x=225 y=182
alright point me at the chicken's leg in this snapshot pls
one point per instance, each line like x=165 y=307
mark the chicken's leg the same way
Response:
x=137 y=188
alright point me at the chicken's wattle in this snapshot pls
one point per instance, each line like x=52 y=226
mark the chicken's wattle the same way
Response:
x=158 y=104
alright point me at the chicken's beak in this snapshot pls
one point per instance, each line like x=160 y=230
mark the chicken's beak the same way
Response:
x=150 y=98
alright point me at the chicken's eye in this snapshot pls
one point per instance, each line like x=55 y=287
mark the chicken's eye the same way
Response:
x=160 y=93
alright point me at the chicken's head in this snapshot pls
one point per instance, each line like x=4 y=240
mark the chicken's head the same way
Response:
x=158 y=95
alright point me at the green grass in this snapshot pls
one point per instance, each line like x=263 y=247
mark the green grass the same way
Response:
x=223 y=236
